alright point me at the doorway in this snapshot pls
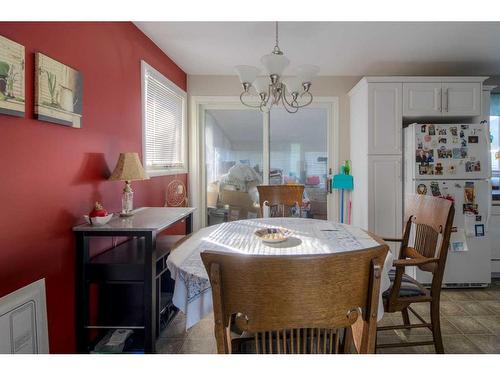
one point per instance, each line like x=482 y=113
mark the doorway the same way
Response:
x=240 y=148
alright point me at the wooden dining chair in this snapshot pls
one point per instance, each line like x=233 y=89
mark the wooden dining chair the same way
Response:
x=295 y=304
x=280 y=199
x=424 y=244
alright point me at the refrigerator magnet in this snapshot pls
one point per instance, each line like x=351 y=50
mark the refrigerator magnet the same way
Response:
x=442 y=140
x=479 y=230
x=464 y=142
x=473 y=139
x=442 y=131
x=454 y=131
x=473 y=166
x=421 y=189
x=423 y=128
x=438 y=169
x=479 y=218
x=432 y=130
x=451 y=169
x=464 y=127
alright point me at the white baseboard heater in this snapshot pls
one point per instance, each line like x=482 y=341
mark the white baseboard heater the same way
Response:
x=23 y=321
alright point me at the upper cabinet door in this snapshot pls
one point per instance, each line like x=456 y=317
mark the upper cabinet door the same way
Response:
x=461 y=99
x=385 y=120
x=422 y=99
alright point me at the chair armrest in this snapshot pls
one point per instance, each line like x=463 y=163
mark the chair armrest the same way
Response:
x=414 y=262
x=393 y=239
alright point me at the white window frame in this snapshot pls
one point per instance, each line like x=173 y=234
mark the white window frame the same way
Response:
x=167 y=171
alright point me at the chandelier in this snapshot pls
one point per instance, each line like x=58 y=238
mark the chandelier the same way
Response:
x=292 y=92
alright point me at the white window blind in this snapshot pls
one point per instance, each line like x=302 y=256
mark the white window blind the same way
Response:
x=164 y=122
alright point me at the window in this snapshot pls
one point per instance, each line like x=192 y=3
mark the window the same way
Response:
x=164 y=124
x=495 y=133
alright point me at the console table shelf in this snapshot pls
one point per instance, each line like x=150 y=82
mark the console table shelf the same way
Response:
x=138 y=264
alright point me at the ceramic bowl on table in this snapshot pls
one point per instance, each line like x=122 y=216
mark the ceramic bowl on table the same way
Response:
x=273 y=235
x=98 y=220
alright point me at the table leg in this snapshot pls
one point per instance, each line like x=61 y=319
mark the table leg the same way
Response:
x=189 y=224
x=82 y=293
x=150 y=315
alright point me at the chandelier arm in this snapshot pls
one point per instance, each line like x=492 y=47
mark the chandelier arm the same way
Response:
x=287 y=105
x=308 y=102
x=286 y=100
x=246 y=104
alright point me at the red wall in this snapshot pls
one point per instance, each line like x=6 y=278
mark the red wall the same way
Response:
x=51 y=174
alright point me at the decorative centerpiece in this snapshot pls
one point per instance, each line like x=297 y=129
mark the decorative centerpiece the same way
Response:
x=98 y=215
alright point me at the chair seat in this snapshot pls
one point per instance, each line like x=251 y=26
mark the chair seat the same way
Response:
x=409 y=287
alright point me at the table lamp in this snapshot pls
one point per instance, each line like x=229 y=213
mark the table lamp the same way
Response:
x=128 y=168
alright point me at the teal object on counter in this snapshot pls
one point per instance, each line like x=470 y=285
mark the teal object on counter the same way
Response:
x=343 y=181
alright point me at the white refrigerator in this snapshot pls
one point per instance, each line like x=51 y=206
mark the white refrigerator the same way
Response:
x=452 y=161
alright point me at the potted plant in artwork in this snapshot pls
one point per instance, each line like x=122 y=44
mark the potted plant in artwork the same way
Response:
x=4 y=73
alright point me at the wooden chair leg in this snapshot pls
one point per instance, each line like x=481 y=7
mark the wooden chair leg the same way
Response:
x=406 y=316
x=436 y=327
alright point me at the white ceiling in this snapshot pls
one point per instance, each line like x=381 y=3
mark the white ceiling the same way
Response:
x=307 y=126
x=339 y=48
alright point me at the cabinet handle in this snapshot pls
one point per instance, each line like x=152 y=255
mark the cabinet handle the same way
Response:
x=446 y=100
x=440 y=102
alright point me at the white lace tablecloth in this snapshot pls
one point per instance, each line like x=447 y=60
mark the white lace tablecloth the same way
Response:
x=192 y=293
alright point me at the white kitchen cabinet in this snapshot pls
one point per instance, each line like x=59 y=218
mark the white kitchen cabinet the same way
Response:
x=384 y=118
x=385 y=197
x=422 y=99
x=461 y=99
x=442 y=99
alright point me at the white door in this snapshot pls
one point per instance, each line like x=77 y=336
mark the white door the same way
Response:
x=385 y=197
x=422 y=99
x=472 y=210
x=384 y=119
x=461 y=99
x=454 y=151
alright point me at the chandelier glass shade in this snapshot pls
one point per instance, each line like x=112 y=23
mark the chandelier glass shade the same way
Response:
x=291 y=92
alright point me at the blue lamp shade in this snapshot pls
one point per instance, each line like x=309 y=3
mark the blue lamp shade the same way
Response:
x=343 y=181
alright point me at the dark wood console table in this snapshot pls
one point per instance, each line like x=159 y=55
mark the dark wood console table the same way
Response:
x=136 y=261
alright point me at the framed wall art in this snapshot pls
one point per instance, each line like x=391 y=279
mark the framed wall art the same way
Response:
x=11 y=78
x=58 y=92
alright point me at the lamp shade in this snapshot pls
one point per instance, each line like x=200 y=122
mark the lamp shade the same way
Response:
x=128 y=168
x=261 y=84
x=293 y=84
x=307 y=72
x=247 y=73
x=275 y=64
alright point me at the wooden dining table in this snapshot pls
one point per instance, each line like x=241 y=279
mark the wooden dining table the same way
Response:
x=192 y=293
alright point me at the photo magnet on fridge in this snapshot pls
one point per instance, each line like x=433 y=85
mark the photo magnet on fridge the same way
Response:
x=473 y=166
x=441 y=131
x=426 y=169
x=470 y=208
x=479 y=230
x=442 y=140
x=479 y=218
x=473 y=139
x=423 y=128
x=469 y=192
x=464 y=142
x=464 y=127
x=454 y=131
x=432 y=130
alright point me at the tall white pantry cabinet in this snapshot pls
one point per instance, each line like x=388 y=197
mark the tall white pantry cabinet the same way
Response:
x=379 y=108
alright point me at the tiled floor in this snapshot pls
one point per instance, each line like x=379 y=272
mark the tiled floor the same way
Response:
x=470 y=323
